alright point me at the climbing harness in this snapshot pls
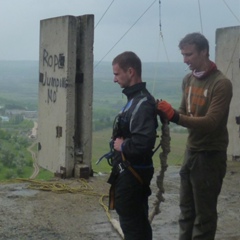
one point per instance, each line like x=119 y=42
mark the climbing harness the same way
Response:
x=128 y=166
x=165 y=146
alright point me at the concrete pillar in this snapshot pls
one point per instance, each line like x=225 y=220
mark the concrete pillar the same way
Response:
x=228 y=61
x=65 y=95
x=84 y=96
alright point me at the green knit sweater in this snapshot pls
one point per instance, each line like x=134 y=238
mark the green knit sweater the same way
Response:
x=204 y=111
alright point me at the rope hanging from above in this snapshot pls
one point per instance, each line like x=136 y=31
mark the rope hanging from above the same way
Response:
x=165 y=145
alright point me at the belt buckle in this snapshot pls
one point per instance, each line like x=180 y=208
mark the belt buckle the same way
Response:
x=120 y=168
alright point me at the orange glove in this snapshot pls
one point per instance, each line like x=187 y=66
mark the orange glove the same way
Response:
x=166 y=108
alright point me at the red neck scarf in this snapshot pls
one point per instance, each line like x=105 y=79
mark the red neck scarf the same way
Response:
x=203 y=74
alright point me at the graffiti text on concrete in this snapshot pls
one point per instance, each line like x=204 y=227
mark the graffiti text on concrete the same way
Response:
x=53 y=84
x=55 y=61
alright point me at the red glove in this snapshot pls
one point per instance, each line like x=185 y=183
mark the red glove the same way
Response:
x=166 y=108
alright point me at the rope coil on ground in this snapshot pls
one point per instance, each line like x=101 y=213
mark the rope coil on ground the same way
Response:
x=83 y=187
x=57 y=186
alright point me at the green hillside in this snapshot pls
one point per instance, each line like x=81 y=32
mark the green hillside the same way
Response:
x=19 y=87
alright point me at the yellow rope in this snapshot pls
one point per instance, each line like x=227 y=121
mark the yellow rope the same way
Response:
x=58 y=187
x=105 y=207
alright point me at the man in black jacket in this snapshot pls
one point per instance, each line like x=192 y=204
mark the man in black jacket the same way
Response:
x=134 y=136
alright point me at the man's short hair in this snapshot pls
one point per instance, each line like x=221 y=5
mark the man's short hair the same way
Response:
x=128 y=59
x=197 y=39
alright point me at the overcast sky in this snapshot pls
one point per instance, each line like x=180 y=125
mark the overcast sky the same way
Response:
x=20 y=23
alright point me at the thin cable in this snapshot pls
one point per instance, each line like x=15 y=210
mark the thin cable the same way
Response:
x=125 y=33
x=104 y=14
x=160 y=16
x=155 y=69
x=200 y=15
x=231 y=11
x=160 y=30
x=164 y=46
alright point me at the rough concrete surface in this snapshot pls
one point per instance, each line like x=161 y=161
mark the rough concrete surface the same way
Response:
x=36 y=214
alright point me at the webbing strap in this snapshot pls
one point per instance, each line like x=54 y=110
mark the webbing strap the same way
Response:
x=129 y=167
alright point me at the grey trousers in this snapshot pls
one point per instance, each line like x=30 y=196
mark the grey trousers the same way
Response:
x=201 y=175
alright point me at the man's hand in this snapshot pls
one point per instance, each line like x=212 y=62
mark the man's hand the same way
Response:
x=166 y=108
x=117 y=144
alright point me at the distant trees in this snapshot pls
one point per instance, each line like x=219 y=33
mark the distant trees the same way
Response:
x=16 y=119
x=13 y=162
x=104 y=114
x=101 y=124
x=5 y=135
x=7 y=158
x=14 y=106
x=103 y=118
x=14 y=157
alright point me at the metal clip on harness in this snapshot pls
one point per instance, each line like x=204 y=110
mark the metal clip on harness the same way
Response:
x=108 y=155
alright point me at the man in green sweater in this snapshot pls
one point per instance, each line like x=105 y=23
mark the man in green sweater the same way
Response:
x=204 y=108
